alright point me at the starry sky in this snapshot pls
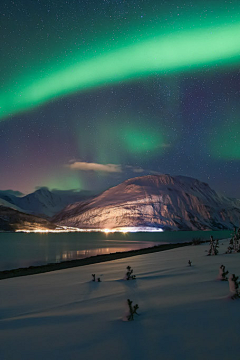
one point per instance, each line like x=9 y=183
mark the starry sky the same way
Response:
x=93 y=92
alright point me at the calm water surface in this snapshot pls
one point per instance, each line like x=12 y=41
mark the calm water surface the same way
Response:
x=23 y=250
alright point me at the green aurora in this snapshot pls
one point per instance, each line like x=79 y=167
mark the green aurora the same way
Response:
x=146 y=85
x=185 y=50
x=142 y=141
x=225 y=144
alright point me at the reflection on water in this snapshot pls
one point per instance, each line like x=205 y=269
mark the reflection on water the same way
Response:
x=81 y=254
x=24 y=250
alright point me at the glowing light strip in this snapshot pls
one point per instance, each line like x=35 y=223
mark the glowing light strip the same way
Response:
x=106 y=231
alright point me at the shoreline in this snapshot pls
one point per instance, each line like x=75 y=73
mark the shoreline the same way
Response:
x=40 y=269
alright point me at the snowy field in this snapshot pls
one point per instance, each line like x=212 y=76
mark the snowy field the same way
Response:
x=184 y=312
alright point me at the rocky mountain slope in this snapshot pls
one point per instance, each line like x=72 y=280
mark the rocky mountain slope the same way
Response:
x=12 y=220
x=162 y=201
x=42 y=202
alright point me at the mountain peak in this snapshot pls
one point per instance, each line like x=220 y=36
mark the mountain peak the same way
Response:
x=42 y=201
x=165 y=179
x=43 y=191
x=164 y=201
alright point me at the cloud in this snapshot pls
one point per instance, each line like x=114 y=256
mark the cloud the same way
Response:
x=42 y=188
x=85 y=166
x=165 y=145
x=108 y=168
x=11 y=192
x=138 y=169
x=135 y=169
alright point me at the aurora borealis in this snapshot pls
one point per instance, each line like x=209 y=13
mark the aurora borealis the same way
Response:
x=95 y=92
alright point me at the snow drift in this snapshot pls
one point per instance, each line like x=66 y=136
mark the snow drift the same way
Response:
x=185 y=313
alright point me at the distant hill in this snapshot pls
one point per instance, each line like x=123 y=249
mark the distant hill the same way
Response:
x=42 y=202
x=162 y=201
x=12 y=220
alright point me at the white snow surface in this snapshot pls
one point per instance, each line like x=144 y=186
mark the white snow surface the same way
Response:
x=185 y=312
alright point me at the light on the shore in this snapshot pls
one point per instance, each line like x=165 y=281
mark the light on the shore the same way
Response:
x=66 y=229
x=107 y=231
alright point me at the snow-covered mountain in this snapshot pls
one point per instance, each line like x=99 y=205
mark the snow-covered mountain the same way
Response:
x=8 y=198
x=162 y=201
x=42 y=202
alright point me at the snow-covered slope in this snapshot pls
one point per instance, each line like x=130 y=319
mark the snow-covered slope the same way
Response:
x=43 y=201
x=9 y=199
x=185 y=313
x=9 y=205
x=168 y=202
x=12 y=220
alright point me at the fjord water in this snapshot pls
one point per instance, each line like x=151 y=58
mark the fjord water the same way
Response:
x=29 y=249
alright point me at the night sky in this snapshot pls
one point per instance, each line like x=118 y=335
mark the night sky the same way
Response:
x=95 y=92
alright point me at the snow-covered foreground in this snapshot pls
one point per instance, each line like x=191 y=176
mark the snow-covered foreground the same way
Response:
x=185 y=312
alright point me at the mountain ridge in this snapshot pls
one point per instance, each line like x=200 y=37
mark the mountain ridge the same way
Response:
x=42 y=202
x=162 y=201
